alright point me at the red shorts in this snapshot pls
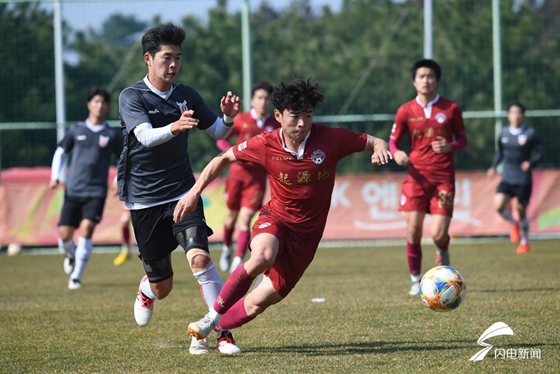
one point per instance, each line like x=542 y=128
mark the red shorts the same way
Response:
x=294 y=254
x=422 y=195
x=244 y=193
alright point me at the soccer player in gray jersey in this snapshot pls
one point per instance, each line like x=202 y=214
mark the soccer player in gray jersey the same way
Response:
x=92 y=143
x=155 y=172
x=521 y=150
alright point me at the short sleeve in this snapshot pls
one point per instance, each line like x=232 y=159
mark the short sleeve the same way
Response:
x=132 y=110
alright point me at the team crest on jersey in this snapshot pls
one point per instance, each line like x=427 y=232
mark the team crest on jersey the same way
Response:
x=242 y=146
x=183 y=106
x=522 y=139
x=440 y=118
x=103 y=141
x=264 y=225
x=318 y=156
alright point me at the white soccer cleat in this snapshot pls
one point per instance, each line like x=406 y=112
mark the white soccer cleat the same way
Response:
x=202 y=328
x=224 y=258
x=226 y=344
x=68 y=265
x=414 y=289
x=235 y=263
x=199 y=347
x=143 y=307
x=74 y=284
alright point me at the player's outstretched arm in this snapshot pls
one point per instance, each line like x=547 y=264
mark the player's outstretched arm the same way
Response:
x=212 y=171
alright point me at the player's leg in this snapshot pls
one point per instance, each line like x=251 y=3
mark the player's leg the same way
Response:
x=414 y=226
x=84 y=250
x=70 y=217
x=125 y=238
x=156 y=242
x=440 y=235
x=502 y=204
x=523 y=194
x=233 y=190
x=264 y=249
x=243 y=236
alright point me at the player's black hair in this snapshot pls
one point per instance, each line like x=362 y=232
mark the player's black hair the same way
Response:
x=262 y=85
x=165 y=34
x=517 y=104
x=426 y=63
x=94 y=91
x=297 y=96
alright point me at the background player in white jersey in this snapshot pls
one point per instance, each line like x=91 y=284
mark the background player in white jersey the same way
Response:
x=91 y=143
x=155 y=172
x=521 y=150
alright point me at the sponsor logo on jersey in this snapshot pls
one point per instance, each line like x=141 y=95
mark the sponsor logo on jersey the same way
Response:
x=505 y=140
x=522 y=139
x=242 y=146
x=183 y=106
x=440 y=118
x=81 y=137
x=103 y=141
x=153 y=111
x=264 y=225
x=318 y=156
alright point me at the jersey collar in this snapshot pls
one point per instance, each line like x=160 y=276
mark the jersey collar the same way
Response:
x=164 y=95
x=301 y=148
x=428 y=108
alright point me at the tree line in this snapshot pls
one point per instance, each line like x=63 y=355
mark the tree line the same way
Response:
x=361 y=56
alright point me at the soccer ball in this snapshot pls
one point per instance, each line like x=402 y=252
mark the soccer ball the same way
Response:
x=442 y=288
x=14 y=249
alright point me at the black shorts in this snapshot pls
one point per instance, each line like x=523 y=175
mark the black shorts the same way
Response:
x=522 y=192
x=155 y=230
x=75 y=209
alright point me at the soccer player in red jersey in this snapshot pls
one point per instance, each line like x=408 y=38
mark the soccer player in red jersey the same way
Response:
x=436 y=131
x=300 y=159
x=246 y=183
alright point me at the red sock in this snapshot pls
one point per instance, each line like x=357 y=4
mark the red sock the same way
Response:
x=414 y=254
x=242 y=243
x=235 y=288
x=236 y=316
x=228 y=233
x=125 y=232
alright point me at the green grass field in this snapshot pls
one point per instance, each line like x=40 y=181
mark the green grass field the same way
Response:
x=368 y=323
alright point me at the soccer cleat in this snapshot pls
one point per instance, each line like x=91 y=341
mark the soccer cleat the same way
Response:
x=235 y=263
x=199 y=347
x=69 y=265
x=143 y=306
x=443 y=258
x=514 y=234
x=522 y=249
x=225 y=258
x=74 y=284
x=121 y=258
x=202 y=328
x=414 y=289
x=226 y=344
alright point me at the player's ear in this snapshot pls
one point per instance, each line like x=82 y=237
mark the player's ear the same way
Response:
x=278 y=115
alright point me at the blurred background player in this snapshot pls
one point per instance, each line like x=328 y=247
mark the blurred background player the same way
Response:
x=521 y=150
x=91 y=144
x=125 y=238
x=245 y=183
x=436 y=131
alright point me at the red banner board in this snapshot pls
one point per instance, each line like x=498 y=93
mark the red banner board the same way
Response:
x=363 y=207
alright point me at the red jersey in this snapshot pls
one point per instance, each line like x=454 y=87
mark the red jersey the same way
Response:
x=444 y=120
x=301 y=185
x=245 y=126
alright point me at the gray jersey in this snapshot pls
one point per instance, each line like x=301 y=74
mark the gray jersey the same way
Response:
x=514 y=150
x=163 y=172
x=91 y=159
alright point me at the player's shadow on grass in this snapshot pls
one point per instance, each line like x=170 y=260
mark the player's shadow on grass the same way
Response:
x=377 y=347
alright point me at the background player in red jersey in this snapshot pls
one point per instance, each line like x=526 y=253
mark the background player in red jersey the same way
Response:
x=300 y=159
x=246 y=183
x=436 y=130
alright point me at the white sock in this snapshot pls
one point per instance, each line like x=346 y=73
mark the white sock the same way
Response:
x=524 y=230
x=415 y=278
x=67 y=248
x=210 y=284
x=147 y=289
x=83 y=254
x=506 y=214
